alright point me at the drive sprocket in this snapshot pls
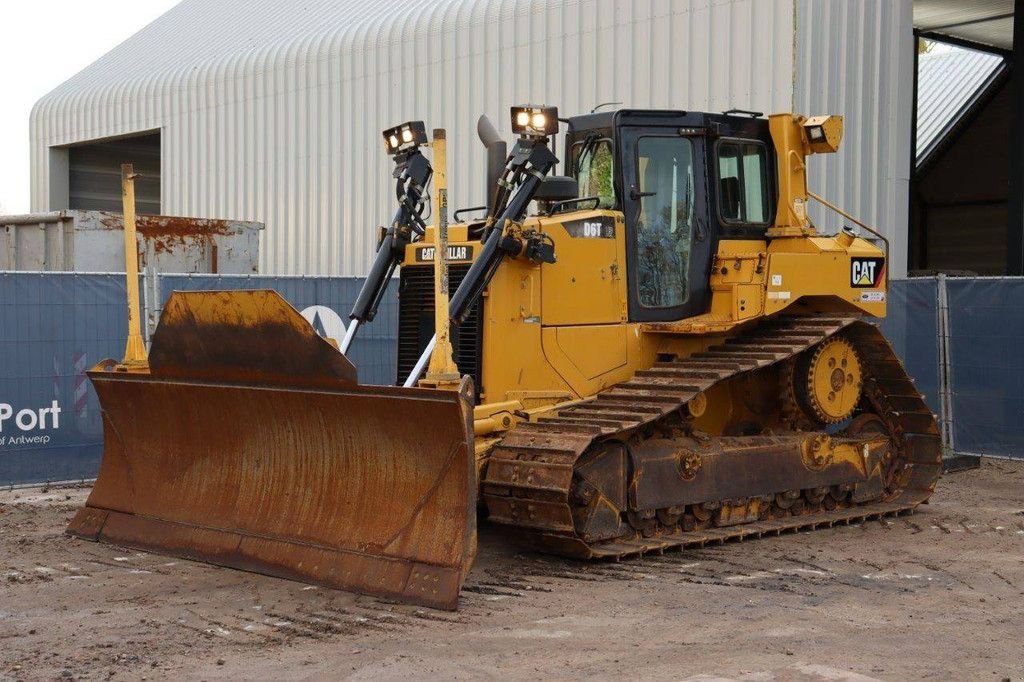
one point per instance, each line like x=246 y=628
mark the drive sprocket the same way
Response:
x=828 y=380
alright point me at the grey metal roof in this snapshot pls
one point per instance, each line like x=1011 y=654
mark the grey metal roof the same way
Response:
x=988 y=22
x=948 y=83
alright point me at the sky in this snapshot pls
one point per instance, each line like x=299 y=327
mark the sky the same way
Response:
x=45 y=43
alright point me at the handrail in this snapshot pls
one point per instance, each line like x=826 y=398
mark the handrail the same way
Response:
x=560 y=206
x=849 y=217
x=458 y=213
x=46 y=218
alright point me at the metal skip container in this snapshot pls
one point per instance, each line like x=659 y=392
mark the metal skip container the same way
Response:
x=91 y=241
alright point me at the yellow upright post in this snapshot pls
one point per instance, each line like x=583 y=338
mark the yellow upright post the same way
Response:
x=441 y=370
x=791 y=217
x=135 y=350
x=795 y=138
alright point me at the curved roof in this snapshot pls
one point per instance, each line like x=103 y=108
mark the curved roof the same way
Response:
x=269 y=110
x=211 y=41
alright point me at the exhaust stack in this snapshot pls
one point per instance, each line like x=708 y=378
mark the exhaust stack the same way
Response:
x=497 y=152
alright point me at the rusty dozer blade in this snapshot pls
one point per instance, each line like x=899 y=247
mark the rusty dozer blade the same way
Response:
x=248 y=443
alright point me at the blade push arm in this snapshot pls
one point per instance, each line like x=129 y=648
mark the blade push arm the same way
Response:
x=412 y=174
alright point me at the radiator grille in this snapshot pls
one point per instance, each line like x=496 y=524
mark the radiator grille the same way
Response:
x=416 y=321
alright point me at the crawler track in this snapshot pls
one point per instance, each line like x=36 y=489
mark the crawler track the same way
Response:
x=530 y=473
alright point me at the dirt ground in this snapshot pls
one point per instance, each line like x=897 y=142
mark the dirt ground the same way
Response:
x=936 y=595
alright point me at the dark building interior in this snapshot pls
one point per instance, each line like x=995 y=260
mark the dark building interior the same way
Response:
x=966 y=209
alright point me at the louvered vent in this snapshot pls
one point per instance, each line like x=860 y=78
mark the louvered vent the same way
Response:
x=416 y=321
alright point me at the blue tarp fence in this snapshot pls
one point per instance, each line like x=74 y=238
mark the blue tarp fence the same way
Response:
x=56 y=325
x=912 y=327
x=959 y=339
x=53 y=327
x=986 y=365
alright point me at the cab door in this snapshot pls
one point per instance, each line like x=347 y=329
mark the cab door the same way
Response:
x=669 y=244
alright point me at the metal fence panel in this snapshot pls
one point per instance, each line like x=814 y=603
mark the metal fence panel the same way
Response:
x=911 y=325
x=53 y=327
x=375 y=349
x=987 y=365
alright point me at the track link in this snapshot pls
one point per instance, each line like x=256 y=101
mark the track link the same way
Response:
x=530 y=472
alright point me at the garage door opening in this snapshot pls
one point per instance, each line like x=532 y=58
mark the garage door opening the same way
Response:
x=94 y=173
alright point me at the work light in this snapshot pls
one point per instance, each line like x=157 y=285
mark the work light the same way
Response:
x=823 y=133
x=405 y=136
x=534 y=121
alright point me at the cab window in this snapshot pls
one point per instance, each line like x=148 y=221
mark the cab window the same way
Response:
x=592 y=160
x=743 y=182
x=664 y=227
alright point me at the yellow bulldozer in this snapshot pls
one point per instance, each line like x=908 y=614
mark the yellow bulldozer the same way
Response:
x=663 y=352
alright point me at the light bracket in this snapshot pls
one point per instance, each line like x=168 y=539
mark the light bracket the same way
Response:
x=405 y=136
x=531 y=120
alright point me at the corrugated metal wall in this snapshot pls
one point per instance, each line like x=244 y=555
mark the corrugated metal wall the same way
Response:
x=288 y=133
x=273 y=113
x=857 y=59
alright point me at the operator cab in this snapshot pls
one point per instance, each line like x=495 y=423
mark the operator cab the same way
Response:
x=683 y=181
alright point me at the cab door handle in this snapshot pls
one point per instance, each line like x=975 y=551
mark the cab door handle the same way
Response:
x=635 y=193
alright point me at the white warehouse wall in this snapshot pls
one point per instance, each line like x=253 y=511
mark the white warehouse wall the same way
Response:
x=857 y=60
x=272 y=111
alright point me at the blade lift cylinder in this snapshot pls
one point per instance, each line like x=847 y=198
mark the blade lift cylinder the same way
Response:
x=412 y=174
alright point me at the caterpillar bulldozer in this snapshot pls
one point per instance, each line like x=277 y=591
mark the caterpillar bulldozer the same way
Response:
x=663 y=353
